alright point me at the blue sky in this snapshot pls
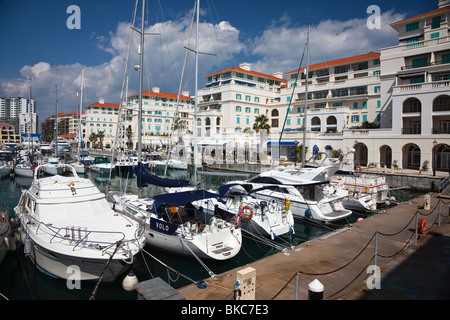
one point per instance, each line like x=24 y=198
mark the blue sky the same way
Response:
x=269 y=34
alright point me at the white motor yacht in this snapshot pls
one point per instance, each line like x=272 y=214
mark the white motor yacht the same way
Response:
x=262 y=218
x=102 y=165
x=66 y=222
x=311 y=200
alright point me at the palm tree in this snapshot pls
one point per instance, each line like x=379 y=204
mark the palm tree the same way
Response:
x=261 y=123
x=93 y=139
x=299 y=151
x=129 y=134
x=101 y=136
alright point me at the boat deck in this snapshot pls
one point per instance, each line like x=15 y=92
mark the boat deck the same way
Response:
x=340 y=259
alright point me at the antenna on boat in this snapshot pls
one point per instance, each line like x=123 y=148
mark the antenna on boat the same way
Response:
x=56 y=121
x=305 y=111
x=141 y=80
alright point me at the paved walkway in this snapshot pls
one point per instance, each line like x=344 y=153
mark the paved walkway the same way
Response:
x=339 y=261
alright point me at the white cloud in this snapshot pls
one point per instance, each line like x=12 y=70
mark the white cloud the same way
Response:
x=280 y=47
x=164 y=57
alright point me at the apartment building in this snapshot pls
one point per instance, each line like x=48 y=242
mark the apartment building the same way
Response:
x=8 y=134
x=342 y=94
x=415 y=99
x=20 y=112
x=99 y=116
x=234 y=97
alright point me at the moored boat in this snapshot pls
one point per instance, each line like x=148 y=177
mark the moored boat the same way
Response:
x=66 y=222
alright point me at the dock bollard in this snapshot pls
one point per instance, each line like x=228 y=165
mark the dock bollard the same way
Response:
x=315 y=290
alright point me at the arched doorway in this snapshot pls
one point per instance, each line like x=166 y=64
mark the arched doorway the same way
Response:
x=385 y=156
x=361 y=154
x=411 y=116
x=411 y=156
x=441 y=154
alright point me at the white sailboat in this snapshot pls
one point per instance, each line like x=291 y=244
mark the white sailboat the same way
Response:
x=24 y=166
x=66 y=222
x=53 y=166
x=172 y=223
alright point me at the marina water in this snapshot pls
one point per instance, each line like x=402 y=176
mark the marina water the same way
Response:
x=21 y=280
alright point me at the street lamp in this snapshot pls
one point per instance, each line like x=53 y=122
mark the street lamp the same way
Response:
x=435 y=157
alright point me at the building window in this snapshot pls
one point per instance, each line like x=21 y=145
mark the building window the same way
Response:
x=238 y=120
x=412 y=26
x=355 y=105
x=238 y=96
x=247 y=110
x=377 y=89
x=355 y=118
x=378 y=103
x=436 y=23
x=419 y=62
x=256 y=110
x=238 y=109
x=248 y=98
x=365 y=105
x=434 y=35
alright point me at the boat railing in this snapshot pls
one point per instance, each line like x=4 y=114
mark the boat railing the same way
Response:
x=76 y=236
x=39 y=171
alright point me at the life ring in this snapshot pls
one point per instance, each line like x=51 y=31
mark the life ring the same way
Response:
x=246 y=212
x=366 y=190
x=350 y=192
x=286 y=204
x=422 y=226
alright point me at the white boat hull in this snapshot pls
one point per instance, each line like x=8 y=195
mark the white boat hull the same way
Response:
x=64 y=267
x=24 y=172
x=5 y=172
x=216 y=247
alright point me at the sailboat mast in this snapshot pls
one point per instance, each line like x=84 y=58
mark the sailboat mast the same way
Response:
x=305 y=111
x=196 y=96
x=141 y=77
x=56 y=120
x=80 y=145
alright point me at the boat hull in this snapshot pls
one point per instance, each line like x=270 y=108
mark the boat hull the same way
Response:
x=66 y=267
x=24 y=172
x=218 y=248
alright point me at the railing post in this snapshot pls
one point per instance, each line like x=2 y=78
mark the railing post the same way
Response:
x=417 y=225
x=376 y=249
x=439 y=213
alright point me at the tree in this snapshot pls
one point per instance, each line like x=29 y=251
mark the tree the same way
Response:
x=261 y=123
x=129 y=134
x=93 y=139
x=101 y=136
x=299 y=151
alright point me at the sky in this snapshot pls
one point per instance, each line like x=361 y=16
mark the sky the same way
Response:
x=37 y=43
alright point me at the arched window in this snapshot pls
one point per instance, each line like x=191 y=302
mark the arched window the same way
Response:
x=441 y=103
x=412 y=105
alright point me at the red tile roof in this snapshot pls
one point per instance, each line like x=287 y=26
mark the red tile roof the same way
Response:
x=248 y=72
x=424 y=15
x=104 y=105
x=161 y=94
x=68 y=135
x=372 y=55
x=3 y=124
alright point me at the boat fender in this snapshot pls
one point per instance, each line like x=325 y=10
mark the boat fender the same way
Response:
x=286 y=204
x=422 y=226
x=246 y=212
x=129 y=281
x=27 y=247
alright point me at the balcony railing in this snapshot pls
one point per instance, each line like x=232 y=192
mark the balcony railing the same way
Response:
x=441 y=130
x=411 y=131
x=422 y=86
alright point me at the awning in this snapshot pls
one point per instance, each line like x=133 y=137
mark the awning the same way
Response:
x=282 y=143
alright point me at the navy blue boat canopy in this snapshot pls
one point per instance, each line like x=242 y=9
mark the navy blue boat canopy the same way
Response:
x=177 y=199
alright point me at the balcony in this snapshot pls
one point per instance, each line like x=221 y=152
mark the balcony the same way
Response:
x=411 y=131
x=441 y=130
x=422 y=86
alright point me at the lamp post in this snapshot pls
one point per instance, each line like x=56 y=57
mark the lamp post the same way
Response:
x=435 y=157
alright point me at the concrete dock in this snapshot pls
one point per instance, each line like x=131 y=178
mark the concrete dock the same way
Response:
x=410 y=269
